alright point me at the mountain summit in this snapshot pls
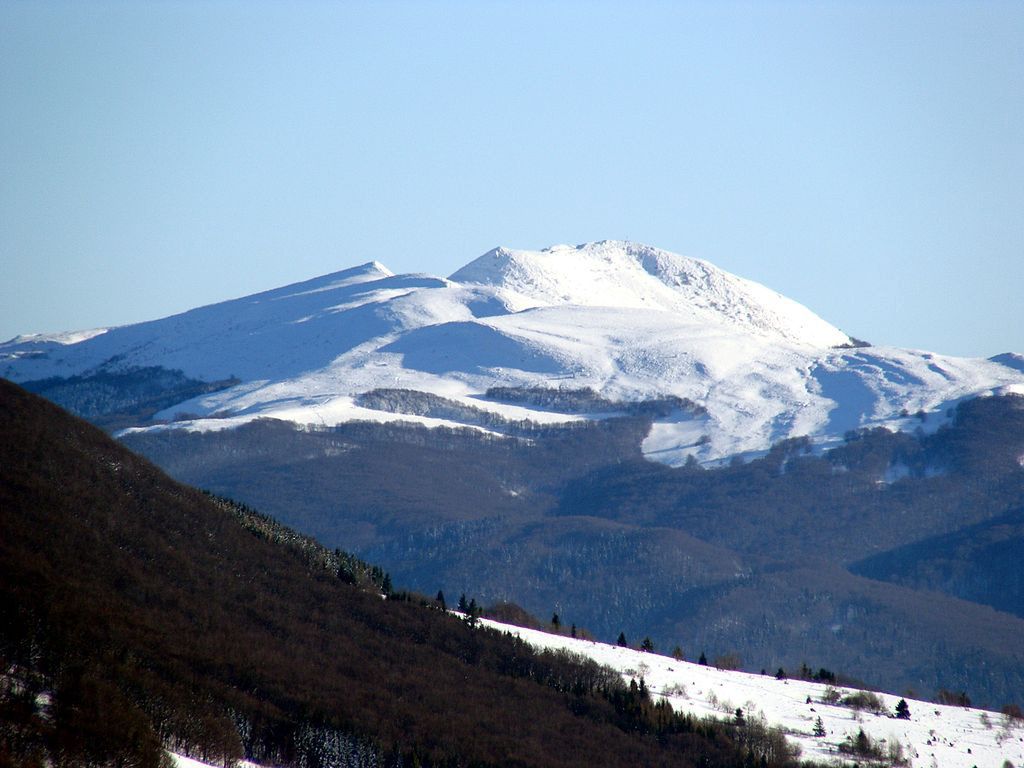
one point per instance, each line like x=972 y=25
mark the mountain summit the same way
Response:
x=625 y=321
x=631 y=275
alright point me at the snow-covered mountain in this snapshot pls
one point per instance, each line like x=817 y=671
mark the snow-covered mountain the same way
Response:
x=629 y=321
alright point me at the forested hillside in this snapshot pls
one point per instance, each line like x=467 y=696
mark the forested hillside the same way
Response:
x=137 y=613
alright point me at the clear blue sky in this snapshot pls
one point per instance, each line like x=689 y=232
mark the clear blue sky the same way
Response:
x=865 y=159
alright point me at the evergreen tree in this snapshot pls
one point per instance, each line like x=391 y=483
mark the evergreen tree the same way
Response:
x=472 y=612
x=345 y=573
x=863 y=744
x=740 y=720
x=825 y=676
x=573 y=630
x=781 y=674
x=677 y=653
x=463 y=605
x=622 y=639
x=647 y=645
x=440 y=600
x=819 y=727
x=902 y=710
x=703 y=660
x=556 y=623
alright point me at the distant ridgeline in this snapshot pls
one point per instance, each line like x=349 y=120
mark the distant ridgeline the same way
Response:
x=137 y=615
x=789 y=559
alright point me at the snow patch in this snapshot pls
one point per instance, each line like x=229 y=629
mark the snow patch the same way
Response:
x=65 y=338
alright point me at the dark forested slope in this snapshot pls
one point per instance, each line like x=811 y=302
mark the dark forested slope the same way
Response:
x=137 y=613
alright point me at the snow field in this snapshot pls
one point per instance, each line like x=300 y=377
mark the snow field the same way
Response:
x=936 y=735
x=181 y=761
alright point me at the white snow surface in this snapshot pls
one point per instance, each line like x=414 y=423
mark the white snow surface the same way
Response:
x=630 y=275
x=935 y=734
x=181 y=761
x=625 y=319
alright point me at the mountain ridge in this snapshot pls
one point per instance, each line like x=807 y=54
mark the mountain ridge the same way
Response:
x=629 y=321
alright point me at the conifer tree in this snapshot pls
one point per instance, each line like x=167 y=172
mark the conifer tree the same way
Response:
x=703 y=660
x=819 y=727
x=862 y=744
x=472 y=612
x=902 y=710
x=622 y=639
x=647 y=645
x=440 y=600
x=556 y=623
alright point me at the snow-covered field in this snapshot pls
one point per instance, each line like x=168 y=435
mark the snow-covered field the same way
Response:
x=935 y=735
x=627 y=320
x=187 y=762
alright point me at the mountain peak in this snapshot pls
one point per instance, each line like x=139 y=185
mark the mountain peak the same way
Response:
x=363 y=273
x=631 y=275
x=627 y=320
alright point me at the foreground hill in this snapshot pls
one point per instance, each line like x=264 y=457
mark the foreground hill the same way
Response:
x=744 y=366
x=137 y=614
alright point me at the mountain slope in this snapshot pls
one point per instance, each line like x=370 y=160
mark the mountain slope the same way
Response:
x=979 y=563
x=930 y=734
x=628 y=321
x=136 y=613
